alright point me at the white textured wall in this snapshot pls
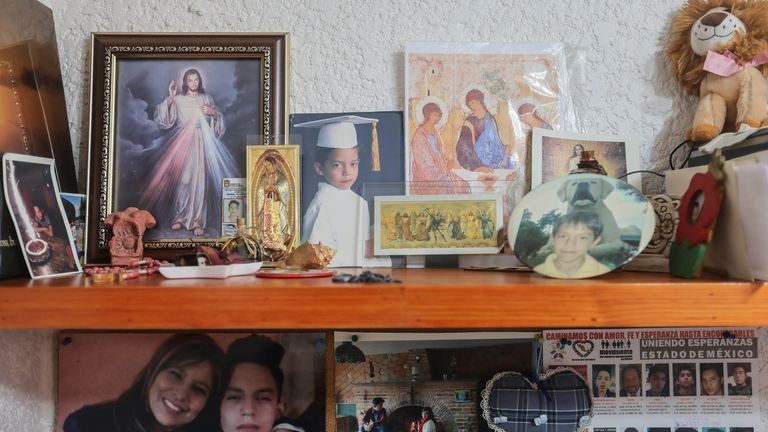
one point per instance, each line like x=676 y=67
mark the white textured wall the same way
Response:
x=27 y=380
x=347 y=56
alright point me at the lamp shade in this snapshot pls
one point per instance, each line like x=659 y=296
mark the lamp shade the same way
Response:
x=347 y=352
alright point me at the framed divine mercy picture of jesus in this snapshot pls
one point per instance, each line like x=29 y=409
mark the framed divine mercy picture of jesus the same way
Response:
x=172 y=115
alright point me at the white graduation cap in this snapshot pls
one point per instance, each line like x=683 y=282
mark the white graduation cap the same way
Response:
x=339 y=132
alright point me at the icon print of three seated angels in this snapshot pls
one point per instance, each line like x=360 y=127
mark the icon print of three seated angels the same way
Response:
x=470 y=109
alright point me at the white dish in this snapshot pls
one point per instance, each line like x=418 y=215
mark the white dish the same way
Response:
x=210 y=272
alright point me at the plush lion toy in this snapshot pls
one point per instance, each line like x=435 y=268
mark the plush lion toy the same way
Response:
x=719 y=49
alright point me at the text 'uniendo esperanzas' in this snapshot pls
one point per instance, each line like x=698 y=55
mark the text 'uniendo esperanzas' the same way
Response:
x=698 y=349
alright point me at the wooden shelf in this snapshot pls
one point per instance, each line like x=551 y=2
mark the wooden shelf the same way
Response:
x=448 y=299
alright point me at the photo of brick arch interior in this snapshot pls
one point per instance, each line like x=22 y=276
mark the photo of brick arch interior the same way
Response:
x=420 y=382
x=32 y=196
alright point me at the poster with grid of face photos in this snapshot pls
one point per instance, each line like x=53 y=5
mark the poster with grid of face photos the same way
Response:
x=665 y=380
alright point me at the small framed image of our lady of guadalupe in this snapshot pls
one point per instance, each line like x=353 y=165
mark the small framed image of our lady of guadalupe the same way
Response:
x=273 y=191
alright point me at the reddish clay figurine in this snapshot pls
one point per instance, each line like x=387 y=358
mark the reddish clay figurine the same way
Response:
x=128 y=227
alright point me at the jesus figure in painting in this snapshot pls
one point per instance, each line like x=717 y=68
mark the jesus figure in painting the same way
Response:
x=191 y=165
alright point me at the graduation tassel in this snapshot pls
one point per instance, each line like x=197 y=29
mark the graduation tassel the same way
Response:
x=375 y=161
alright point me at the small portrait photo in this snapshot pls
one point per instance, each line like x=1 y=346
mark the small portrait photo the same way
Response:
x=581 y=226
x=684 y=379
x=713 y=429
x=739 y=379
x=711 y=379
x=556 y=154
x=233 y=210
x=630 y=384
x=190 y=381
x=686 y=429
x=32 y=195
x=344 y=156
x=603 y=381
x=657 y=380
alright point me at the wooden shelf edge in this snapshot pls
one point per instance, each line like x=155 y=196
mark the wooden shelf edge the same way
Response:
x=425 y=300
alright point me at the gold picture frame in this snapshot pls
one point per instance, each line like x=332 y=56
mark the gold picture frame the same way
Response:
x=273 y=194
x=437 y=224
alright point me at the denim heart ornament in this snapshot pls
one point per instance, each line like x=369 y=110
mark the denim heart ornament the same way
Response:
x=583 y=348
x=560 y=400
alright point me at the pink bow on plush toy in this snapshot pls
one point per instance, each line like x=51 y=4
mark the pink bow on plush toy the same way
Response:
x=727 y=63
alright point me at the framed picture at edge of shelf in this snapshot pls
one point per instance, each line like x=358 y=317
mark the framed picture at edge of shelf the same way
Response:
x=94 y=394
x=36 y=123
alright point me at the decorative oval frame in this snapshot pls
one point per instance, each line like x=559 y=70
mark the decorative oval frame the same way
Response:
x=626 y=223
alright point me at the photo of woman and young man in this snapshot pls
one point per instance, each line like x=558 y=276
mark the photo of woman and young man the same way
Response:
x=191 y=382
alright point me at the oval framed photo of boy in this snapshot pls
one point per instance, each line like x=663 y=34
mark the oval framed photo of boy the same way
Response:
x=580 y=226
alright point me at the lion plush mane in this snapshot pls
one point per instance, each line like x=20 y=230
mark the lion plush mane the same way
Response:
x=688 y=66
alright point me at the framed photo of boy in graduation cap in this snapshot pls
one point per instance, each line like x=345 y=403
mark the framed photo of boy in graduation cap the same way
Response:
x=172 y=117
x=342 y=154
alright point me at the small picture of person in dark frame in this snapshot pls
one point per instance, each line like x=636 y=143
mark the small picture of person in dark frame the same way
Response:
x=602 y=381
x=711 y=379
x=685 y=379
x=233 y=210
x=658 y=380
x=631 y=383
x=742 y=382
